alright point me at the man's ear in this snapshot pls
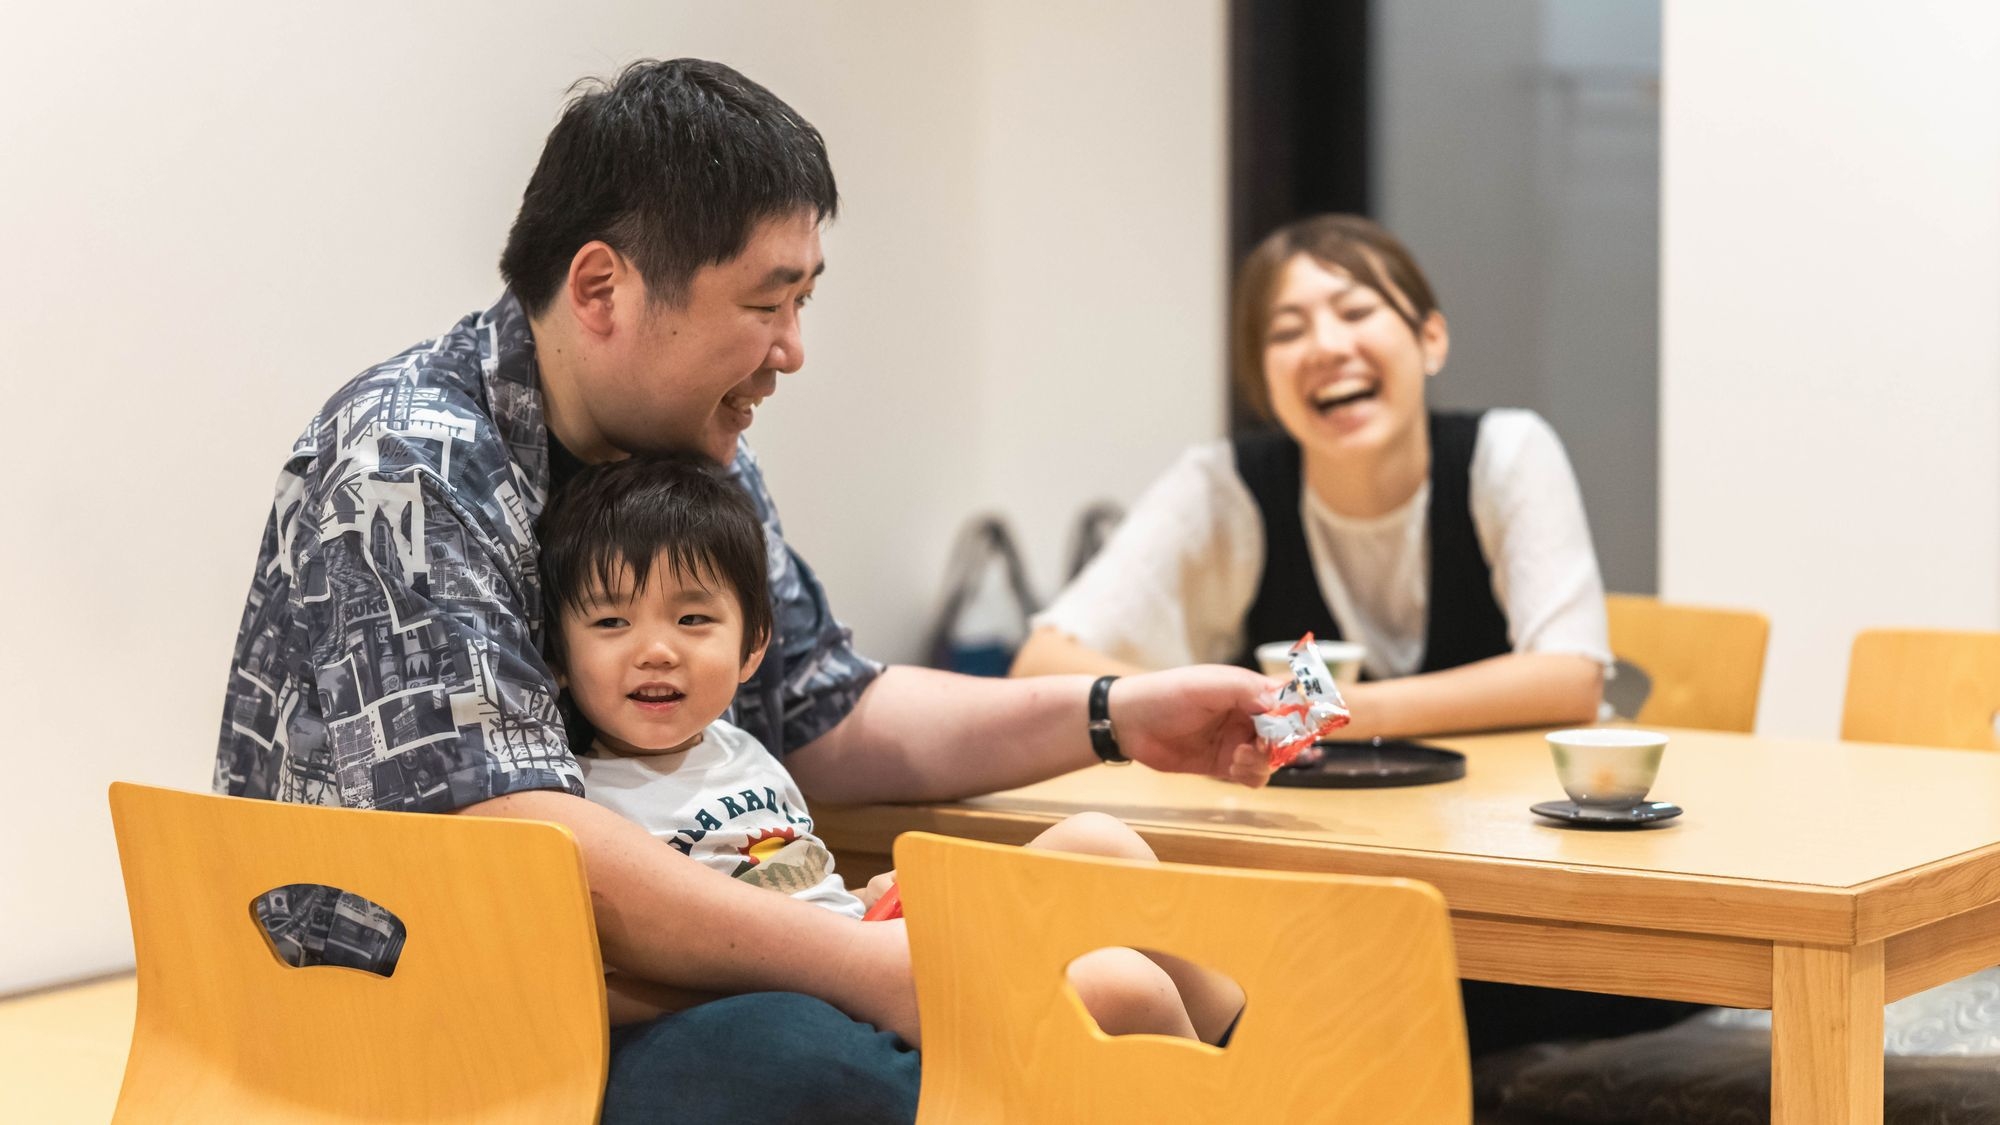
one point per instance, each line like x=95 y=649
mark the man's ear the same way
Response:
x=598 y=276
x=753 y=661
x=1436 y=341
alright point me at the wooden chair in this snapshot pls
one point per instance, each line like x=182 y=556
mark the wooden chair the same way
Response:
x=1927 y=687
x=1353 y=1011
x=1707 y=665
x=494 y=1012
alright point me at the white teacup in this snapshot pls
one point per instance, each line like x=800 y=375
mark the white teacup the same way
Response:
x=1343 y=659
x=1607 y=767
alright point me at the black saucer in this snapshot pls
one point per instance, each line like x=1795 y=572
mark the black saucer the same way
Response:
x=1641 y=814
x=1377 y=764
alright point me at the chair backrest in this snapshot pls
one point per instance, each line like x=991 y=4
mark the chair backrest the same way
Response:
x=495 y=1010
x=1353 y=1012
x=1706 y=665
x=1925 y=687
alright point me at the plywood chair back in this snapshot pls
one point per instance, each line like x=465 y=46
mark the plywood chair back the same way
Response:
x=495 y=1010
x=1707 y=665
x=1353 y=1012
x=1925 y=687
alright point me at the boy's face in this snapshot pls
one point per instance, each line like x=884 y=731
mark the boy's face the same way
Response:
x=651 y=668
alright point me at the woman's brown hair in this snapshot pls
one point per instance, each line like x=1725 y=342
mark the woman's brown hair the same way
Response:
x=1347 y=243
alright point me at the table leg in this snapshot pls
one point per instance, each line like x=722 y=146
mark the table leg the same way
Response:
x=1826 y=1035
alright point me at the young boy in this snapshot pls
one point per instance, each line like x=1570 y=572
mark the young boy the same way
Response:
x=654 y=577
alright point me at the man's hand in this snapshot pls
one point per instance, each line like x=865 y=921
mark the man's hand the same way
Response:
x=1195 y=720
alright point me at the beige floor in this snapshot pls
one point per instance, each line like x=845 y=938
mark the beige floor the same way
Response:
x=62 y=1051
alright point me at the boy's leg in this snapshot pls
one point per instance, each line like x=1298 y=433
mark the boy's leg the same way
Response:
x=1128 y=993
x=768 y=1057
x=1212 y=1000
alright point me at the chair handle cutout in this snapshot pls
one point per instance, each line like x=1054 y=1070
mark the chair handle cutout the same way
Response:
x=309 y=924
x=1145 y=992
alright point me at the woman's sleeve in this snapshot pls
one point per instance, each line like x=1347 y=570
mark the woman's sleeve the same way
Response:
x=1529 y=513
x=1172 y=585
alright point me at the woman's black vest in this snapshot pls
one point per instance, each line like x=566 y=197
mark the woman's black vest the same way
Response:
x=1463 y=623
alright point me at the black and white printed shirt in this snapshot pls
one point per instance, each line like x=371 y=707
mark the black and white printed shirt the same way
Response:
x=389 y=654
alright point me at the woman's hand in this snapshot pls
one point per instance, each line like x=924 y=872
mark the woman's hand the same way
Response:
x=1195 y=720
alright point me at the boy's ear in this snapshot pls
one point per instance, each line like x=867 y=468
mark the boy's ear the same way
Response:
x=754 y=660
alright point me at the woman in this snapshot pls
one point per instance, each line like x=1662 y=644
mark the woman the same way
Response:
x=1453 y=547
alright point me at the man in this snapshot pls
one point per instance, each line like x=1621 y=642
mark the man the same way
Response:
x=388 y=657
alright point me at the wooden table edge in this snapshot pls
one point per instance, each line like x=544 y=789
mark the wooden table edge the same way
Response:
x=1552 y=893
x=1929 y=893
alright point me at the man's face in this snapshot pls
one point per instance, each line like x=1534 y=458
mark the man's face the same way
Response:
x=690 y=376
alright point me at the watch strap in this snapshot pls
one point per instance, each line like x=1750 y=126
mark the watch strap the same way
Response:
x=1104 y=740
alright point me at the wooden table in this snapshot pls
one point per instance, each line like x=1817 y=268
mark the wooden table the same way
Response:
x=1817 y=879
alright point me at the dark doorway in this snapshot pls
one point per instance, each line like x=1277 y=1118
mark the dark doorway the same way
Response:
x=1299 y=111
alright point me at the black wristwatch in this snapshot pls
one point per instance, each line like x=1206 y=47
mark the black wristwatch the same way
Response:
x=1103 y=739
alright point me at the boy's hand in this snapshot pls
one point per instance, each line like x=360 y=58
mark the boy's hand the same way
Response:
x=876 y=888
x=1195 y=720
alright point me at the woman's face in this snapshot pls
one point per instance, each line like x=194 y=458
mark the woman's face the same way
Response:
x=1344 y=370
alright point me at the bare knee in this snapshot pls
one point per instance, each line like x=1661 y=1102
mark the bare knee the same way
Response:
x=1094 y=833
x=1128 y=994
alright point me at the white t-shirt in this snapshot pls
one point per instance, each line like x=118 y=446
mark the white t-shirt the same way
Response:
x=1175 y=583
x=728 y=803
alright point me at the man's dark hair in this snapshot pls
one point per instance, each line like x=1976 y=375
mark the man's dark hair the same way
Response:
x=679 y=510
x=673 y=164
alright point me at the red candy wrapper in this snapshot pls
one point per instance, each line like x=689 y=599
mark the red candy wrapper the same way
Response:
x=1308 y=708
x=890 y=905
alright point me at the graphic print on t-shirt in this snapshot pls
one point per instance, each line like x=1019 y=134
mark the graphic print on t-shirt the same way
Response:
x=777 y=858
x=770 y=842
x=728 y=804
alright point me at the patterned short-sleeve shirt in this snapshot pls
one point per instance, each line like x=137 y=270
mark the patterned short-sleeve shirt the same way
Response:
x=389 y=653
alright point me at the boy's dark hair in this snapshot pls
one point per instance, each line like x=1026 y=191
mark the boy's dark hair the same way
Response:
x=634 y=512
x=672 y=164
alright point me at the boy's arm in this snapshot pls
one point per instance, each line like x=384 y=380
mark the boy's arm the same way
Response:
x=664 y=917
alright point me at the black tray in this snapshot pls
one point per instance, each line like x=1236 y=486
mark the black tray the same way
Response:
x=1380 y=764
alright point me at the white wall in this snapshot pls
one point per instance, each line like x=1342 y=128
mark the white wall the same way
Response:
x=1103 y=208
x=1830 y=391
x=215 y=213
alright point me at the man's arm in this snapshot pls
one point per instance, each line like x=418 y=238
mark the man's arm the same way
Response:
x=664 y=917
x=923 y=735
x=1516 y=689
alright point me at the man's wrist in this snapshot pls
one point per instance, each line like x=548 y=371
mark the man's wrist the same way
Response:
x=1103 y=738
